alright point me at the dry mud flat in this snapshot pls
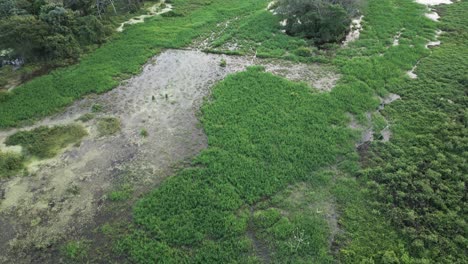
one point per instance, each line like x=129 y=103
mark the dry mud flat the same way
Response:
x=61 y=196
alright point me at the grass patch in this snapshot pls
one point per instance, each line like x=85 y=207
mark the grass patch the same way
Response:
x=123 y=193
x=46 y=142
x=76 y=251
x=108 y=126
x=86 y=117
x=10 y=163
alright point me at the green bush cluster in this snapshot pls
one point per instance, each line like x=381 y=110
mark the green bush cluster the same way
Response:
x=42 y=31
x=322 y=21
x=10 y=163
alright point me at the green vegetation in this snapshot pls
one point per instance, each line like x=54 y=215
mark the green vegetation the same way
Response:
x=265 y=133
x=143 y=132
x=86 y=117
x=10 y=163
x=281 y=162
x=260 y=33
x=271 y=129
x=420 y=176
x=57 y=32
x=108 y=126
x=122 y=193
x=76 y=250
x=96 y=108
x=99 y=71
x=223 y=63
x=46 y=142
x=322 y=21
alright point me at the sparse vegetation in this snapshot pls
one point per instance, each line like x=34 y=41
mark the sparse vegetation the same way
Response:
x=122 y=193
x=223 y=63
x=86 y=117
x=46 y=142
x=143 y=132
x=96 y=108
x=108 y=126
x=76 y=250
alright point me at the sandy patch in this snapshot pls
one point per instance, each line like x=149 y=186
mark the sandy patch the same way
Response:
x=354 y=31
x=152 y=11
x=433 y=16
x=433 y=2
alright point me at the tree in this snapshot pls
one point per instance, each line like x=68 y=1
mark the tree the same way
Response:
x=320 y=20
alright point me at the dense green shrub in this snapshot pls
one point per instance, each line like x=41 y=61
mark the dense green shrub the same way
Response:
x=320 y=20
x=10 y=163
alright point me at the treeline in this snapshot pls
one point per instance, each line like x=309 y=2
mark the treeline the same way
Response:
x=56 y=31
x=322 y=21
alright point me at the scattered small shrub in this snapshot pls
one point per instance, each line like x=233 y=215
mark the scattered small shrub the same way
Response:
x=122 y=193
x=10 y=163
x=76 y=250
x=108 y=126
x=223 y=63
x=86 y=117
x=96 y=108
x=143 y=132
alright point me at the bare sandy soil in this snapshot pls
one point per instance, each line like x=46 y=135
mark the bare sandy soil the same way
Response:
x=61 y=196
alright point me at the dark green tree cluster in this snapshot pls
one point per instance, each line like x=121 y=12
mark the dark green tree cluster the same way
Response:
x=322 y=21
x=39 y=30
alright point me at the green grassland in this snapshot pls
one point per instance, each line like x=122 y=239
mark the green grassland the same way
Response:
x=281 y=180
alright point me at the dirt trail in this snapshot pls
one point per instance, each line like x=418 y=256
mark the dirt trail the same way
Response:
x=154 y=10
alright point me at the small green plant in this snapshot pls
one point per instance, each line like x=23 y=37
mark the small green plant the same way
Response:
x=76 y=250
x=108 y=126
x=143 y=132
x=122 y=193
x=96 y=108
x=10 y=163
x=86 y=117
x=223 y=63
